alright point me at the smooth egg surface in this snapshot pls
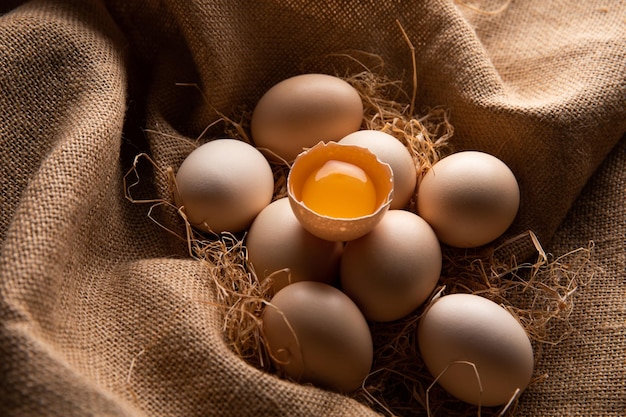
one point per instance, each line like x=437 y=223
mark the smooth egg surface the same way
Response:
x=301 y=111
x=316 y=334
x=223 y=185
x=391 y=151
x=393 y=269
x=469 y=342
x=469 y=198
x=278 y=246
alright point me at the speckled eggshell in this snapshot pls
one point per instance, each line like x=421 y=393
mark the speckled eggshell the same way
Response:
x=317 y=335
x=391 y=151
x=460 y=331
x=393 y=269
x=303 y=110
x=470 y=198
x=277 y=241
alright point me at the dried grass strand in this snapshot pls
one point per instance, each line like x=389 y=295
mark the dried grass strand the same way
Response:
x=538 y=293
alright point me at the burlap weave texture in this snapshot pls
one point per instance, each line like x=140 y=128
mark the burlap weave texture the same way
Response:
x=103 y=313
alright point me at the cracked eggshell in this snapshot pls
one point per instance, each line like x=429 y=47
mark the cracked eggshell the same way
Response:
x=458 y=332
x=332 y=228
x=278 y=246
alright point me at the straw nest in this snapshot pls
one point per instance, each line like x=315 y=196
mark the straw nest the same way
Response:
x=539 y=292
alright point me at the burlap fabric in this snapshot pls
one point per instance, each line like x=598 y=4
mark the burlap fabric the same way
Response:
x=103 y=312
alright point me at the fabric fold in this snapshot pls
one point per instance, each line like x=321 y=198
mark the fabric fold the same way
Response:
x=103 y=312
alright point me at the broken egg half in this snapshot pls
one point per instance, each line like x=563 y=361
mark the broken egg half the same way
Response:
x=339 y=192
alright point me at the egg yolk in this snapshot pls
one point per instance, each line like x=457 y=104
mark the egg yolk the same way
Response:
x=341 y=190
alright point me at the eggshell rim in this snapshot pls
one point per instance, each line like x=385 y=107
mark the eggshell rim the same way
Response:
x=336 y=228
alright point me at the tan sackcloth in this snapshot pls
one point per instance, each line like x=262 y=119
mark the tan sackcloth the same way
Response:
x=103 y=313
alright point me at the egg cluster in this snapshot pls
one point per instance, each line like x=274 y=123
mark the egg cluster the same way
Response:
x=342 y=248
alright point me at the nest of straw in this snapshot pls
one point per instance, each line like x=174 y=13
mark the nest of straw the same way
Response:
x=539 y=293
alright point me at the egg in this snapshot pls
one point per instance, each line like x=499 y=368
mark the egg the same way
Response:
x=478 y=351
x=393 y=269
x=470 y=198
x=223 y=184
x=391 y=151
x=316 y=334
x=278 y=246
x=339 y=192
x=303 y=110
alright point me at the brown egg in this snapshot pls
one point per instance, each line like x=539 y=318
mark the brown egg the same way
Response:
x=316 y=334
x=469 y=198
x=223 y=185
x=301 y=111
x=339 y=192
x=391 y=151
x=469 y=343
x=278 y=246
x=393 y=269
